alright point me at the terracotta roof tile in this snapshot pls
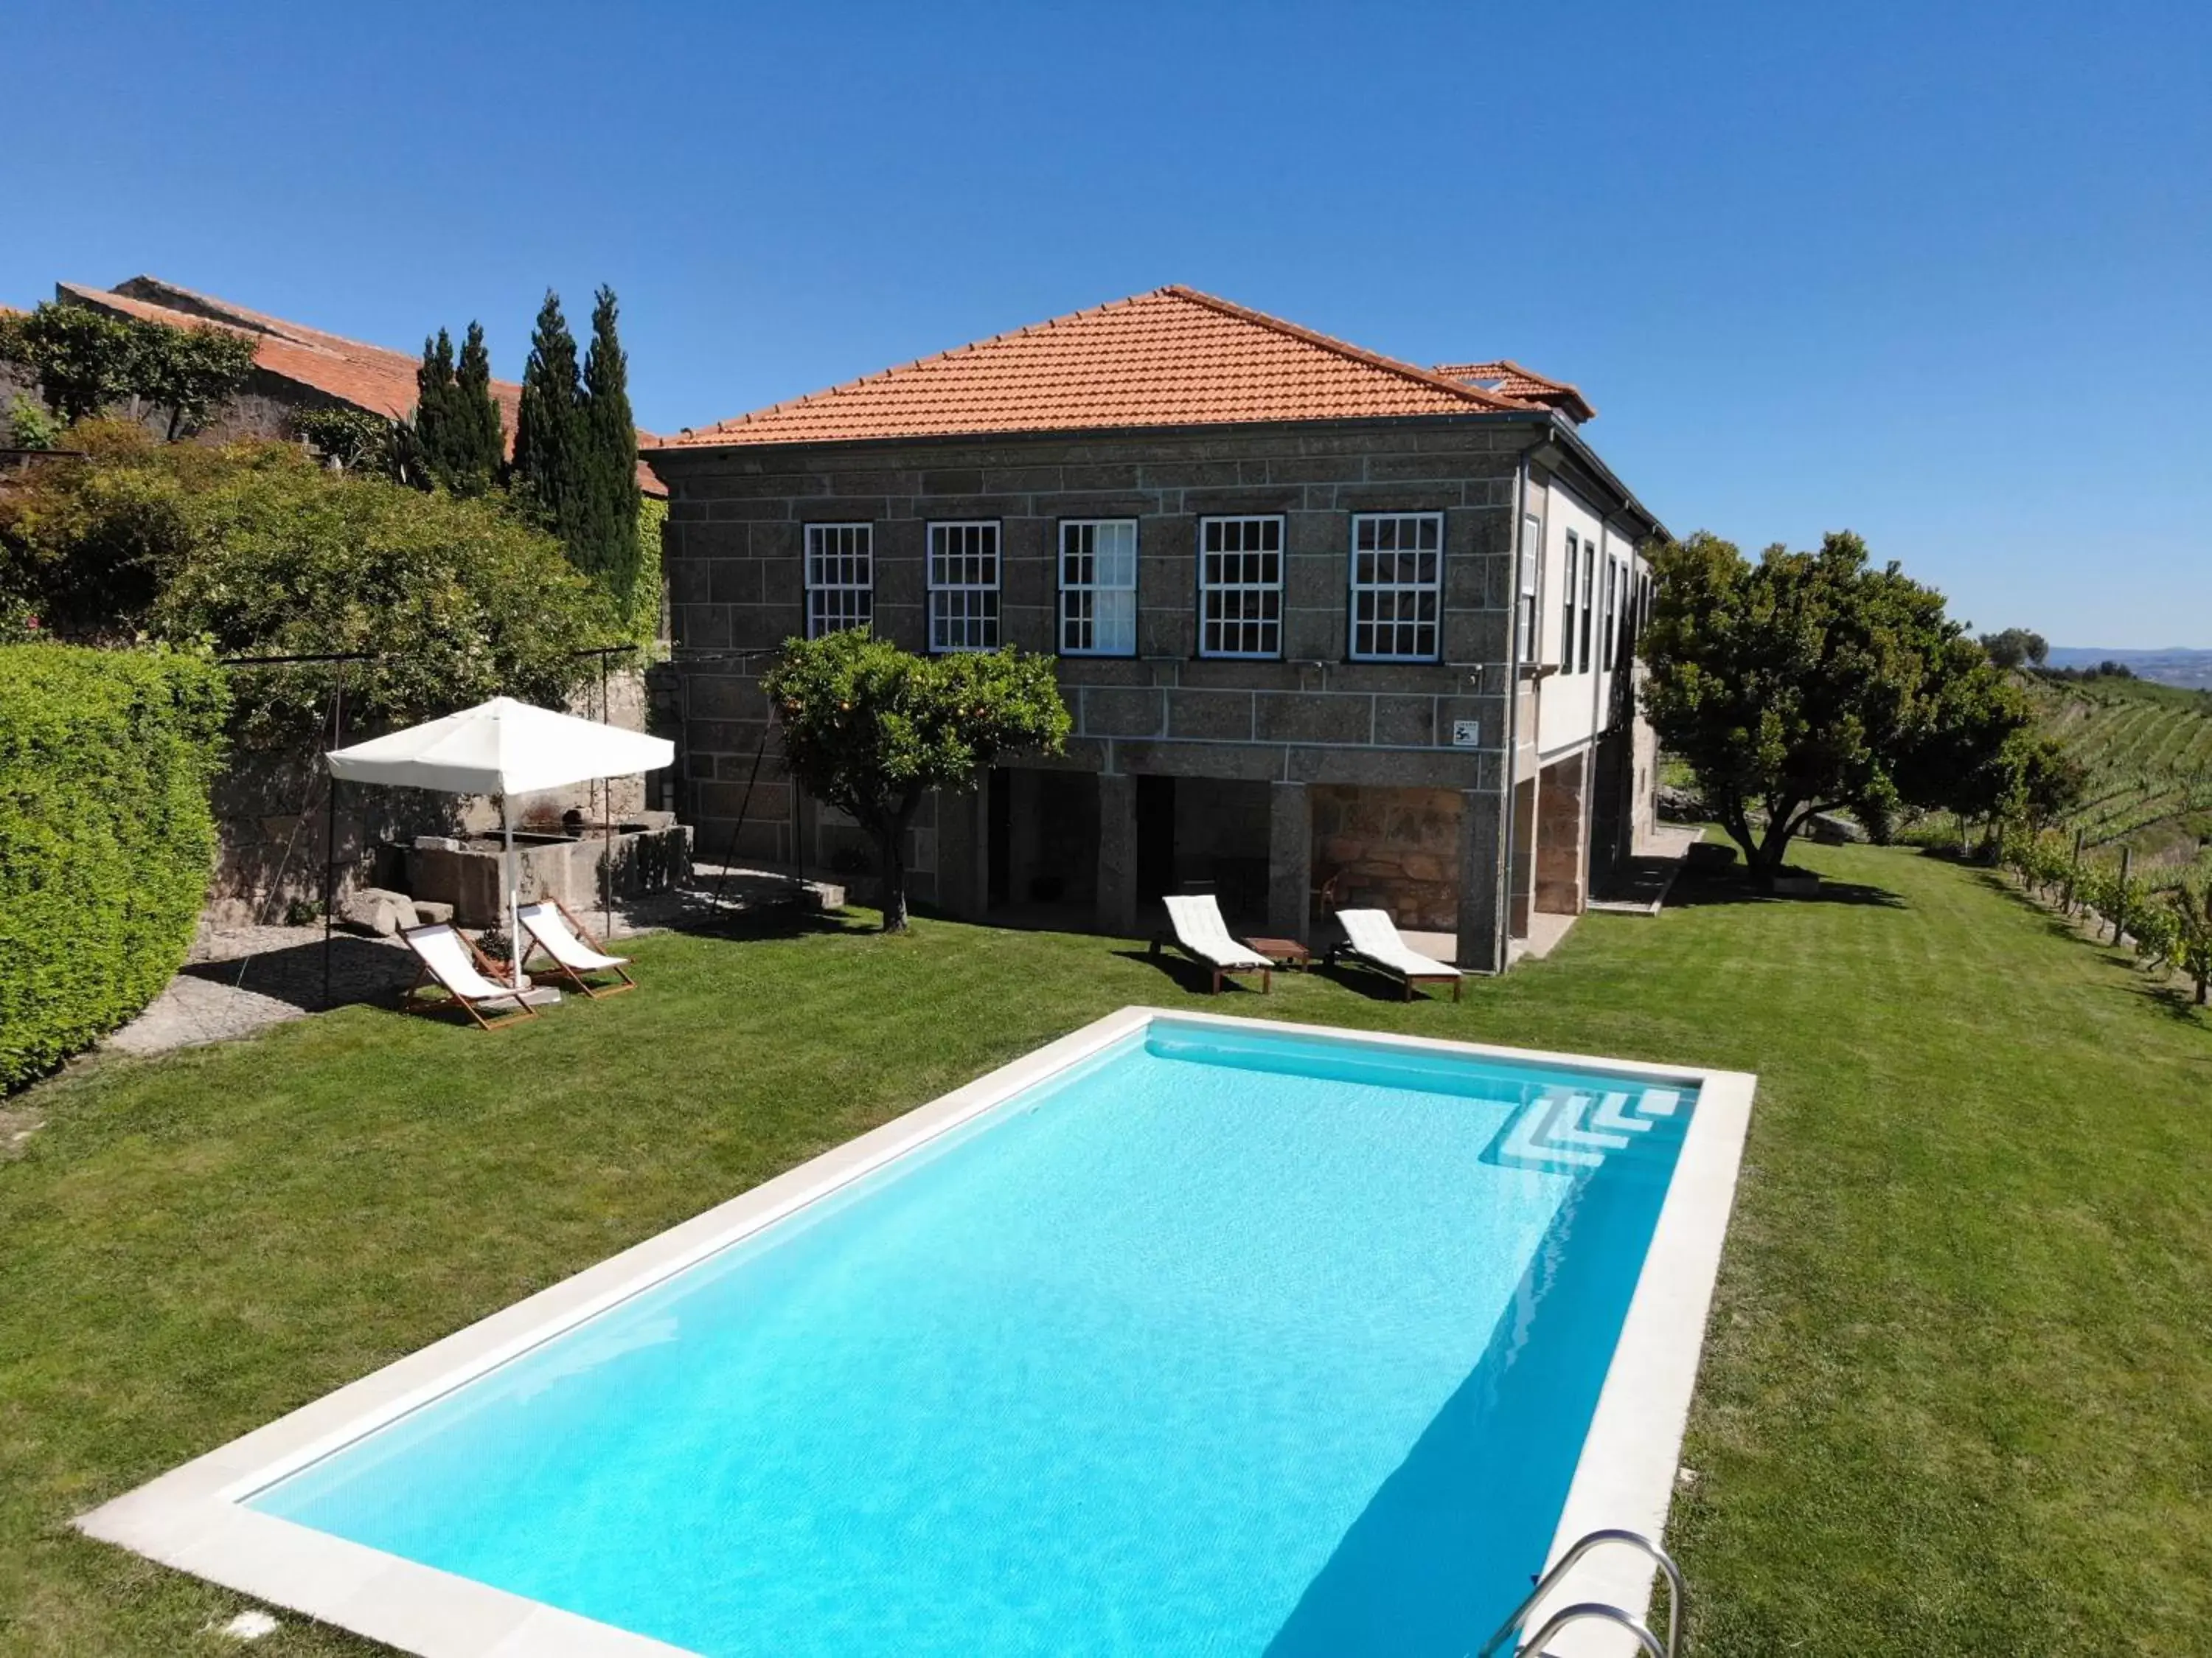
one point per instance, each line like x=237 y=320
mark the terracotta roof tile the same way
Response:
x=371 y=377
x=1171 y=357
x=1509 y=379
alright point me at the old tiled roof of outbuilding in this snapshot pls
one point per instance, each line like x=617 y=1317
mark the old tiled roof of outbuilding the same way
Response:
x=371 y=377
x=1170 y=357
x=1509 y=379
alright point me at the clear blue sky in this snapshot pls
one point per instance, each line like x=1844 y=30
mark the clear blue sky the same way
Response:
x=1941 y=274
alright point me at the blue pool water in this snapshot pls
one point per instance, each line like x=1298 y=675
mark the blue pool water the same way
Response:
x=1216 y=1343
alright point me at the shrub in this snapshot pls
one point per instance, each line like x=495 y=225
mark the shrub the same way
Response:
x=106 y=838
x=252 y=549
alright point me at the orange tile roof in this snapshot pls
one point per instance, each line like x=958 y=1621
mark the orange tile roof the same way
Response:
x=1171 y=357
x=1509 y=379
x=371 y=377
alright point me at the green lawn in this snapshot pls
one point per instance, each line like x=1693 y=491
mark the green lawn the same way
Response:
x=1958 y=1391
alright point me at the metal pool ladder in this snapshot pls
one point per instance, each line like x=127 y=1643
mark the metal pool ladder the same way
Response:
x=1678 y=1598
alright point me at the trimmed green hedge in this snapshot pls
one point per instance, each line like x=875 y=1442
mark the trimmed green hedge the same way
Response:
x=106 y=838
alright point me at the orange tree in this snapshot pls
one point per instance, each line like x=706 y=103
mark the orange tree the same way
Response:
x=870 y=729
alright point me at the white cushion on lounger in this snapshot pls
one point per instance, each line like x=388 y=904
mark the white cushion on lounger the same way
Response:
x=1199 y=929
x=1373 y=935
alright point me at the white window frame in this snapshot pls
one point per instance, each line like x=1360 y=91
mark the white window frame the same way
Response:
x=1258 y=593
x=1616 y=613
x=1528 y=605
x=1589 y=594
x=1567 y=605
x=968 y=606
x=1398 y=591
x=1088 y=593
x=836 y=601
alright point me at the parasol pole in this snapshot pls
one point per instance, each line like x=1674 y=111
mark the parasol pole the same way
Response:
x=506 y=874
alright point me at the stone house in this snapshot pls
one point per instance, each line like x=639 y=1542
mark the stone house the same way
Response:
x=1335 y=629
x=295 y=368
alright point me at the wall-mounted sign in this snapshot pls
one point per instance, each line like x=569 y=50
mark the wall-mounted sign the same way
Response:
x=1467 y=734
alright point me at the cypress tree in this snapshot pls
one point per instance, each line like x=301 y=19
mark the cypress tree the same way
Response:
x=549 y=430
x=610 y=521
x=480 y=449
x=436 y=406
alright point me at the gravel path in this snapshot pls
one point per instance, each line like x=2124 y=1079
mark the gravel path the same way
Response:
x=239 y=979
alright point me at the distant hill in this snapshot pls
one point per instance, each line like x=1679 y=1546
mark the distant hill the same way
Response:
x=2148 y=749
x=2189 y=669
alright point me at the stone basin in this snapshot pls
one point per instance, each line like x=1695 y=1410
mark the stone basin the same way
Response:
x=650 y=852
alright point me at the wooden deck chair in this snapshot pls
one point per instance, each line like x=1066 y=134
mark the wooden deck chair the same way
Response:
x=572 y=950
x=1201 y=933
x=1370 y=936
x=464 y=973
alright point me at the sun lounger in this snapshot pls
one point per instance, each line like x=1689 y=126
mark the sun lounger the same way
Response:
x=1370 y=936
x=464 y=973
x=574 y=951
x=1201 y=935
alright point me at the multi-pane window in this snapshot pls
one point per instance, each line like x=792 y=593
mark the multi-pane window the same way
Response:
x=1240 y=586
x=1616 y=638
x=1606 y=616
x=1397 y=569
x=841 y=577
x=1567 y=604
x=1532 y=562
x=964 y=586
x=1098 y=587
x=1589 y=605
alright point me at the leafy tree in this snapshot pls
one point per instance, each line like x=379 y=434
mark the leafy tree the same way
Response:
x=1809 y=681
x=2016 y=647
x=549 y=439
x=81 y=360
x=606 y=545
x=870 y=729
x=480 y=447
x=254 y=549
x=191 y=372
x=87 y=362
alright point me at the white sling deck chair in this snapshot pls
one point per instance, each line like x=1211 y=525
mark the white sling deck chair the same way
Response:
x=1370 y=936
x=574 y=951
x=463 y=971
x=1203 y=935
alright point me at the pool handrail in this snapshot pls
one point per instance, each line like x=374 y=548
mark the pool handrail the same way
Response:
x=1678 y=1594
x=1583 y=1613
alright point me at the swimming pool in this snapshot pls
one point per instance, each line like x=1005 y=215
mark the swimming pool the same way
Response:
x=1185 y=1336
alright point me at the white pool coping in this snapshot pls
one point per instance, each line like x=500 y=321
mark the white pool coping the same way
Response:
x=193 y=1518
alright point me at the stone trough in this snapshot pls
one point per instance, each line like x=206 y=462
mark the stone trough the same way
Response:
x=651 y=853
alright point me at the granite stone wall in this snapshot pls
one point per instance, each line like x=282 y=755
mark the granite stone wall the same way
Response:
x=734 y=559
x=1389 y=849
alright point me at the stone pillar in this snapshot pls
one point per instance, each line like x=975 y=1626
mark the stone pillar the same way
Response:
x=1117 y=855
x=1522 y=886
x=1563 y=836
x=1482 y=868
x=1290 y=861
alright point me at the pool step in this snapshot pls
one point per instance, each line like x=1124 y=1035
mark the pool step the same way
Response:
x=1560 y=1131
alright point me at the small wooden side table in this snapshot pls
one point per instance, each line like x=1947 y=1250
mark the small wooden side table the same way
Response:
x=1285 y=953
